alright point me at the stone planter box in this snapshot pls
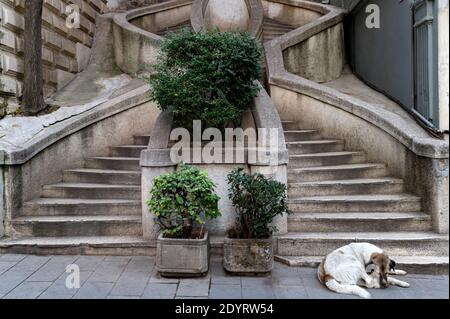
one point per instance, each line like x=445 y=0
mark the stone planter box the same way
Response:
x=182 y=257
x=248 y=256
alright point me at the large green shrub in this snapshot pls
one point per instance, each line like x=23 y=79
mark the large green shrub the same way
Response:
x=207 y=76
x=258 y=200
x=183 y=200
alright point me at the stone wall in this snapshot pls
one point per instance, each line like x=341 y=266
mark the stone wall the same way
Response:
x=65 y=51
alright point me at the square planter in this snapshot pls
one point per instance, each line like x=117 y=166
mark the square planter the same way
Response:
x=182 y=257
x=248 y=256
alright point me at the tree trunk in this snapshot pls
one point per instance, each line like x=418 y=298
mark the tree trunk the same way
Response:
x=33 y=94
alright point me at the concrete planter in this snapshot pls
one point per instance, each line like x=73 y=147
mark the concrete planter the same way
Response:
x=248 y=256
x=182 y=257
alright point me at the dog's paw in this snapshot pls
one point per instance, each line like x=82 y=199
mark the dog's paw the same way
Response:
x=401 y=272
x=365 y=294
x=404 y=285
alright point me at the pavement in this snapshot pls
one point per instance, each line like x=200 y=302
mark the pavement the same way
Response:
x=119 y=277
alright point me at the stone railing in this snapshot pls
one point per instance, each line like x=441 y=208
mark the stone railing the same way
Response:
x=299 y=61
x=255 y=9
x=135 y=42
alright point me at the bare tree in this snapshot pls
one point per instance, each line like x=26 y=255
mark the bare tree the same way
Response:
x=33 y=93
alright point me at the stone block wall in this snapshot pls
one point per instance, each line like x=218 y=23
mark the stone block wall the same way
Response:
x=65 y=51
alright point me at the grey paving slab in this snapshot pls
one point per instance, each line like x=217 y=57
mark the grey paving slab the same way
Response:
x=157 y=278
x=12 y=257
x=6 y=265
x=193 y=288
x=160 y=291
x=28 y=290
x=258 y=292
x=11 y=279
x=89 y=263
x=290 y=292
x=256 y=281
x=131 y=284
x=123 y=297
x=94 y=290
x=108 y=271
x=286 y=277
x=31 y=263
x=219 y=276
x=118 y=258
x=60 y=290
x=225 y=291
x=53 y=269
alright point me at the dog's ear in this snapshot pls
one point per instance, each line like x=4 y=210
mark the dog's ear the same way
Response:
x=392 y=264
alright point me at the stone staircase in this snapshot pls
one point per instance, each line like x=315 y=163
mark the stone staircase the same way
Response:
x=337 y=197
x=94 y=210
x=273 y=29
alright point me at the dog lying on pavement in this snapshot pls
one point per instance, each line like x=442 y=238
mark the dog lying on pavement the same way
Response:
x=347 y=269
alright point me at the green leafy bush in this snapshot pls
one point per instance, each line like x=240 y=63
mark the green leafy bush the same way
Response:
x=182 y=200
x=258 y=200
x=207 y=76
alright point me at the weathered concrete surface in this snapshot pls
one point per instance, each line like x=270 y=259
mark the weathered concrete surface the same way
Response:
x=227 y=15
x=320 y=58
x=290 y=14
x=248 y=256
x=182 y=257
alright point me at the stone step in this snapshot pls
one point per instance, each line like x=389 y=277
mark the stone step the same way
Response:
x=395 y=244
x=301 y=135
x=320 y=146
x=116 y=163
x=326 y=159
x=431 y=265
x=81 y=207
x=339 y=172
x=290 y=125
x=347 y=187
x=69 y=226
x=141 y=139
x=359 y=222
x=103 y=176
x=96 y=245
x=356 y=203
x=92 y=191
x=127 y=150
x=273 y=25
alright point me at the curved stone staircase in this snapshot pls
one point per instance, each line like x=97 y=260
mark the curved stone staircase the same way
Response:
x=96 y=209
x=337 y=197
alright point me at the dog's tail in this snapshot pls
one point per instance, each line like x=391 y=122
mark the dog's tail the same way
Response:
x=335 y=286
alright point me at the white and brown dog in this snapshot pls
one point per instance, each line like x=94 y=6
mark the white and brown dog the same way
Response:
x=351 y=267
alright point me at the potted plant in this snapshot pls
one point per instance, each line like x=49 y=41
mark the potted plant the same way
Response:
x=182 y=202
x=248 y=249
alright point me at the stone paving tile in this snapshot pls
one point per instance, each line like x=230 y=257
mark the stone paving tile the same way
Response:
x=224 y=291
x=256 y=281
x=219 y=276
x=11 y=279
x=160 y=291
x=108 y=271
x=258 y=292
x=59 y=290
x=123 y=297
x=157 y=278
x=31 y=263
x=118 y=258
x=131 y=284
x=94 y=290
x=28 y=290
x=53 y=269
x=12 y=257
x=6 y=265
x=89 y=263
x=193 y=287
x=290 y=292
